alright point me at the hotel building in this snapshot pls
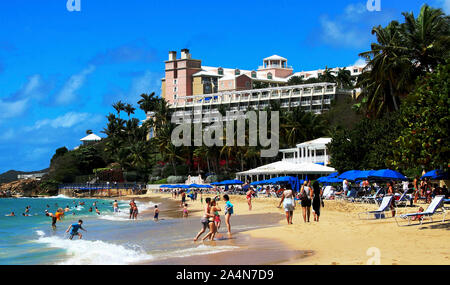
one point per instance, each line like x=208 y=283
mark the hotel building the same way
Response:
x=188 y=84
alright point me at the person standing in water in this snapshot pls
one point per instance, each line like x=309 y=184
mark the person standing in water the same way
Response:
x=116 y=206
x=185 y=211
x=74 y=229
x=228 y=213
x=156 y=213
x=205 y=219
x=132 y=205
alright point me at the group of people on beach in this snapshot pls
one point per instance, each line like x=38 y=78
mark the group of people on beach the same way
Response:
x=308 y=196
x=211 y=218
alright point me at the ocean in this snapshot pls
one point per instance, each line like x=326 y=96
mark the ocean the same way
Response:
x=111 y=238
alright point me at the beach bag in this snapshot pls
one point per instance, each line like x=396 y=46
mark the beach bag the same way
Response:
x=303 y=196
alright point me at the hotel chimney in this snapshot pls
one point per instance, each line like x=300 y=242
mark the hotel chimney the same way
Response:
x=185 y=54
x=172 y=55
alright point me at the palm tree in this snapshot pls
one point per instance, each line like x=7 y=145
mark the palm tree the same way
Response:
x=327 y=76
x=344 y=78
x=129 y=109
x=148 y=102
x=427 y=38
x=88 y=132
x=119 y=106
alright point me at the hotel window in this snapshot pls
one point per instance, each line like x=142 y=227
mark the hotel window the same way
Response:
x=220 y=71
x=253 y=74
x=175 y=89
x=174 y=96
x=237 y=72
x=175 y=81
x=269 y=75
x=355 y=70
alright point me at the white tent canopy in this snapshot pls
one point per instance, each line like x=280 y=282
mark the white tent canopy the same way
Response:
x=284 y=167
x=91 y=138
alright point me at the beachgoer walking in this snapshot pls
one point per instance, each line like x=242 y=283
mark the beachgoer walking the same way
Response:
x=249 y=195
x=205 y=219
x=416 y=189
x=287 y=198
x=305 y=198
x=214 y=213
x=74 y=229
x=228 y=213
x=185 y=211
x=183 y=198
x=316 y=195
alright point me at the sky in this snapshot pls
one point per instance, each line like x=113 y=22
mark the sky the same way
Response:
x=60 y=71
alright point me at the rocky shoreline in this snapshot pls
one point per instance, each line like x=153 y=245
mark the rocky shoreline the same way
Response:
x=21 y=188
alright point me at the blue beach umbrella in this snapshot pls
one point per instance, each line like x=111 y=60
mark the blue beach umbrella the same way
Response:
x=436 y=174
x=386 y=174
x=349 y=175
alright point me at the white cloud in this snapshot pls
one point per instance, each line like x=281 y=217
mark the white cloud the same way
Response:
x=142 y=84
x=75 y=82
x=360 y=61
x=12 y=109
x=336 y=33
x=67 y=120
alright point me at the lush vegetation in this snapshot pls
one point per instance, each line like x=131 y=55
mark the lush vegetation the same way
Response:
x=405 y=98
x=400 y=120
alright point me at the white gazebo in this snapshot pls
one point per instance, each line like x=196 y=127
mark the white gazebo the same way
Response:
x=89 y=139
x=308 y=158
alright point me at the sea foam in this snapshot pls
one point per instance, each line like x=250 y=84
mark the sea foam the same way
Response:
x=81 y=252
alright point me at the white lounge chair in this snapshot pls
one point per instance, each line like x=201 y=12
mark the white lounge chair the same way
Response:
x=403 y=200
x=372 y=198
x=435 y=204
x=385 y=203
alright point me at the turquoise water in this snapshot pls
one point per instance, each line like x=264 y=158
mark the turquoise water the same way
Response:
x=111 y=238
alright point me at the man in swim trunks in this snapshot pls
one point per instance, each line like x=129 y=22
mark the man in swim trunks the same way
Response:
x=116 y=206
x=132 y=205
x=74 y=229
x=155 y=217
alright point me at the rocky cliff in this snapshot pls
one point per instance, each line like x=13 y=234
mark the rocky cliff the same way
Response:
x=23 y=188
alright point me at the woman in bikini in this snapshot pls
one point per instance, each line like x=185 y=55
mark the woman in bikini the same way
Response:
x=217 y=222
x=205 y=219
x=249 y=198
x=211 y=222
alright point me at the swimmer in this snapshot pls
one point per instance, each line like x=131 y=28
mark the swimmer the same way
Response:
x=185 y=211
x=97 y=211
x=74 y=229
x=11 y=215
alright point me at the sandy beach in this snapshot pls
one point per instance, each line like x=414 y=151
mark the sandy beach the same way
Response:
x=340 y=238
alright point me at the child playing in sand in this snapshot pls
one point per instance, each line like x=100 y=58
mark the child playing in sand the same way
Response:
x=155 y=217
x=185 y=211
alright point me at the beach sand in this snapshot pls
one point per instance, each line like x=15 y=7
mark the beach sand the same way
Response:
x=340 y=238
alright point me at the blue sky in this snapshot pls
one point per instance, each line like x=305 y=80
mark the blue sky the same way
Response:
x=60 y=71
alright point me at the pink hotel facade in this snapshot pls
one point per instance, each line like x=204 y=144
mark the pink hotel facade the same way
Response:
x=186 y=79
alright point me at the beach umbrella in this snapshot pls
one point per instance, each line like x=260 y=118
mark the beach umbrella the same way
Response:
x=349 y=175
x=436 y=174
x=386 y=174
x=363 y=174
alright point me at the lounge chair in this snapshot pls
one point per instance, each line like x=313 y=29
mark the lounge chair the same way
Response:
x=403 y=200
x=436 y=203
x=372 y=198
x=379 y=214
